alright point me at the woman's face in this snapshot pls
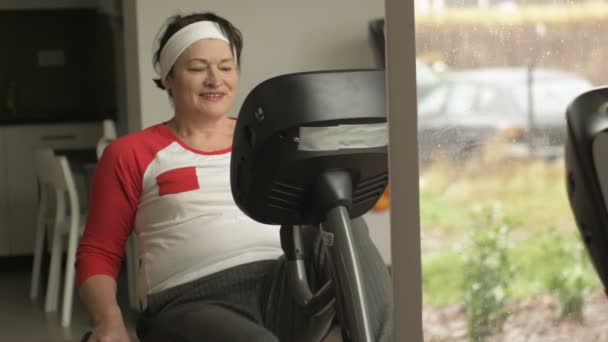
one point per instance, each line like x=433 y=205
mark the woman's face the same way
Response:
x=204 y=79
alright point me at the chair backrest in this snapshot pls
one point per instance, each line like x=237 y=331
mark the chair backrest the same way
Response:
x=109 y=129
x=64 y=178
x=44 y=166
x=45 y=173
x=55 y=171
x=109 y=135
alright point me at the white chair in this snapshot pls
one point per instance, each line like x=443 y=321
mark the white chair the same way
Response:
x=108 y=135
x=55 y=175
x=44 y=217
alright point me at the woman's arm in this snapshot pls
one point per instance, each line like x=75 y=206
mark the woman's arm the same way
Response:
x=98 y=293
x=114 y=195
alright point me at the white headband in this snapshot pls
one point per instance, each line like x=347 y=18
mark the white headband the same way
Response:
x=185 y=37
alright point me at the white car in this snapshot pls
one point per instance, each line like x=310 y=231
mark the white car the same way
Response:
x=470 y=106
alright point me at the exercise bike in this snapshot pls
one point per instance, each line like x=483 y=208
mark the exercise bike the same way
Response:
x=311 y=149
x=587 y=173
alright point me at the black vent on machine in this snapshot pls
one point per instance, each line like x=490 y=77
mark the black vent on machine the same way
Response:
x=285 y=196
x=370 y=189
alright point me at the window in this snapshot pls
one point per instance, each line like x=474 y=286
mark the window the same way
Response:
x=461 y=100
x=487 y=97
x=434 y=101
x=502 y=258
x=551 y=97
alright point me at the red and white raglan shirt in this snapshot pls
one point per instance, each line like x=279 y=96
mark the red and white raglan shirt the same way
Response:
x=179 y=204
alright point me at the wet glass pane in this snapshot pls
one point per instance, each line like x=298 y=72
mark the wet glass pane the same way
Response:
x=434 y=101
x=502 y=256
x=461 y=100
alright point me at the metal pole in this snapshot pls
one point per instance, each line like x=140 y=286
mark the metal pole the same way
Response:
x=345 y=259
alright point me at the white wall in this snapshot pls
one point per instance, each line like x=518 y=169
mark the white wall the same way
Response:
x=279 y=37
x=380 y=232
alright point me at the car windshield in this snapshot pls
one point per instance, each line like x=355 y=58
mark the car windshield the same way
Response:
x=453 y=98
x=433 y=101
x=424 y=74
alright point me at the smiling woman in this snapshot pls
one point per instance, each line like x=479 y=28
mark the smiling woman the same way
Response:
x=200 y=74
x=203 y=83
x=180 y=164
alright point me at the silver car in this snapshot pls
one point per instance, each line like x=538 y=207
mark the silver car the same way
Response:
x=469 y=107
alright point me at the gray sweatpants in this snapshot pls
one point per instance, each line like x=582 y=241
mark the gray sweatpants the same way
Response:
x=253 y=302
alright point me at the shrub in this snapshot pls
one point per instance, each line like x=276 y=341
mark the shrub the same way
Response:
x=570 y=283
x=487 y=272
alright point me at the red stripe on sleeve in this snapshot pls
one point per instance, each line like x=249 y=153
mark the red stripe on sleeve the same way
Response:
x=115 y=195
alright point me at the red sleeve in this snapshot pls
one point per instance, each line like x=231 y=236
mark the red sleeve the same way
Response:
x=115 y=194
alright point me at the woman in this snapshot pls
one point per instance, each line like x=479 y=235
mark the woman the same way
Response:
x=206 y=271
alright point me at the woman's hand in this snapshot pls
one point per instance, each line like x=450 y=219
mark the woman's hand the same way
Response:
x=98 y=293
x=110 y=332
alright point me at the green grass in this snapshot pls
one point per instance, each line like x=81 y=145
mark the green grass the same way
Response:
x=442 y=276
x=532 y=197
x=535 y=260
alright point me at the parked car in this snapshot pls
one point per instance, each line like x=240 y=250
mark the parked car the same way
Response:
x=459 y=116
x=426 y=78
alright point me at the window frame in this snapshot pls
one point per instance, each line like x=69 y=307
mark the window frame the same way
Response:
x=403 y=169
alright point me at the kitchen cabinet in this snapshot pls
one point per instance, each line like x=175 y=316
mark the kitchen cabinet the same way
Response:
x=21 y=187
x=46 y=4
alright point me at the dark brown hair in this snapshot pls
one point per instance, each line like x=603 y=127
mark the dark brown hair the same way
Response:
x=177 y=22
